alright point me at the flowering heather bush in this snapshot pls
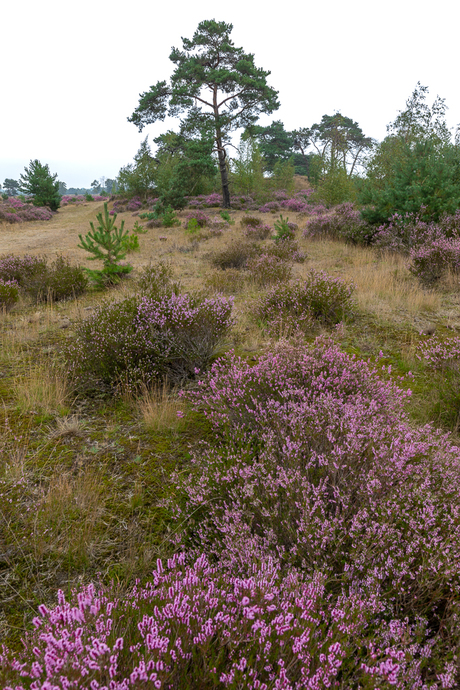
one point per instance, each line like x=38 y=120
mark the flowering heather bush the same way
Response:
x=342 y=222
x=319 y=468
x=318 y=297
x=134 y=204
x=440 y=353
x=266 y=269
x=13 y=210
x=199 y=217
x=76 y=199
x=286 y=250
x=9 y=294
x=429 y=262
x=140 y=339
x=194 y=627
x=403 y=233
x=19 y=268
x=257 y=232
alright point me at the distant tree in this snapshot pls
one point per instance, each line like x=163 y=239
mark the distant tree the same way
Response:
x=109 y=185
x=11 y=187
x=139 y=177
x=62 y=188
x=95 y=187
x=275 y=143
x=39 y=182
x=340 y=142
x=213 y=74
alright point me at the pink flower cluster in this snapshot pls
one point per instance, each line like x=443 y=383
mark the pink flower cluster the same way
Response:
x=13 y=210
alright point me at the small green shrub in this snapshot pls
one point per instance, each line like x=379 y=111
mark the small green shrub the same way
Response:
x=139 y=229
x=169 y=218
x=131 y=244
x=192 y=226
x=89 y=197
x=235 y=255
x=284 y=229
x=106 y=243
x=9 y=294
x=225 y=215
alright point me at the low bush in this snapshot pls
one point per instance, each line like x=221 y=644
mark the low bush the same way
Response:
x=14 y=210
x=56 y=281
x=318 y=297
x=342 y=222
x=142 y=339
x=266 y=269
x=229 y=281
x=42 y=281
x=284 y=230
x=156 y=280
x=286 y=250
x=317 y=467
x=9 y=294
x=254 y=228
x=199 y=218
x=235 y=255
x=430 y=262
x=193 y=627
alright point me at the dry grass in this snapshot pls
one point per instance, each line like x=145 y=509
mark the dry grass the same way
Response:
x=159 y=408
x=42 y=389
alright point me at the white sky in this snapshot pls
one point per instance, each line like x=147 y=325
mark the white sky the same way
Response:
x=71 y=72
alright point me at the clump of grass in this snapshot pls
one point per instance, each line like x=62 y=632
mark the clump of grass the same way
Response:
x=230 y=281
x=42 y=389
x=161 y=409
x=235 y=255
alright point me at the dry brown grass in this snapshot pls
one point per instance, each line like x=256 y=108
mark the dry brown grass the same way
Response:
x=42 y=389
x=159 y=408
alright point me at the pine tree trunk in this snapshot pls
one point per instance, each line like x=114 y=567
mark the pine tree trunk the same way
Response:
x=223 y=175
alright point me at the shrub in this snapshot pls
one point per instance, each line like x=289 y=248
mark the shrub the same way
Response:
x=254 y=228
x=267 y=269
x=286 y=250
x=131 y=244
x=193 y=626
x=431 y=261
x=139 y=339
x=317 y=467
x=13 y=210
x=9 y=294
x=134 y=204
x=284 y=230
x=106 y=243
x=200 y=218
x=19 y=268
x=57 y=281
x=156 y=280
x=318 y=297
x=89 y=197
x=235 y=255
x=343 y=222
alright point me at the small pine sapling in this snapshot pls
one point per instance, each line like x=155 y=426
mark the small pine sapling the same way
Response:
x=108 y=244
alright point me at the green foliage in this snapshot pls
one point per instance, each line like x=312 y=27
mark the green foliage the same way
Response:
x=247 y=171
x=284 y=229
x=193 y=226
x=11 y=187
x=138 y=178
x=335 y=186
x=283 y=175
x=169 y=218
x=131 y=244
x=213 y=74
x=89 y=197
x=106 y=243
x=275 y=143
x=226 y=216
x=38 y=181
x=416 y=168
x=139 y=229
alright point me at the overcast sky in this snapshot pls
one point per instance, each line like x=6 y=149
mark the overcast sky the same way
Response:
x=71 y=72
